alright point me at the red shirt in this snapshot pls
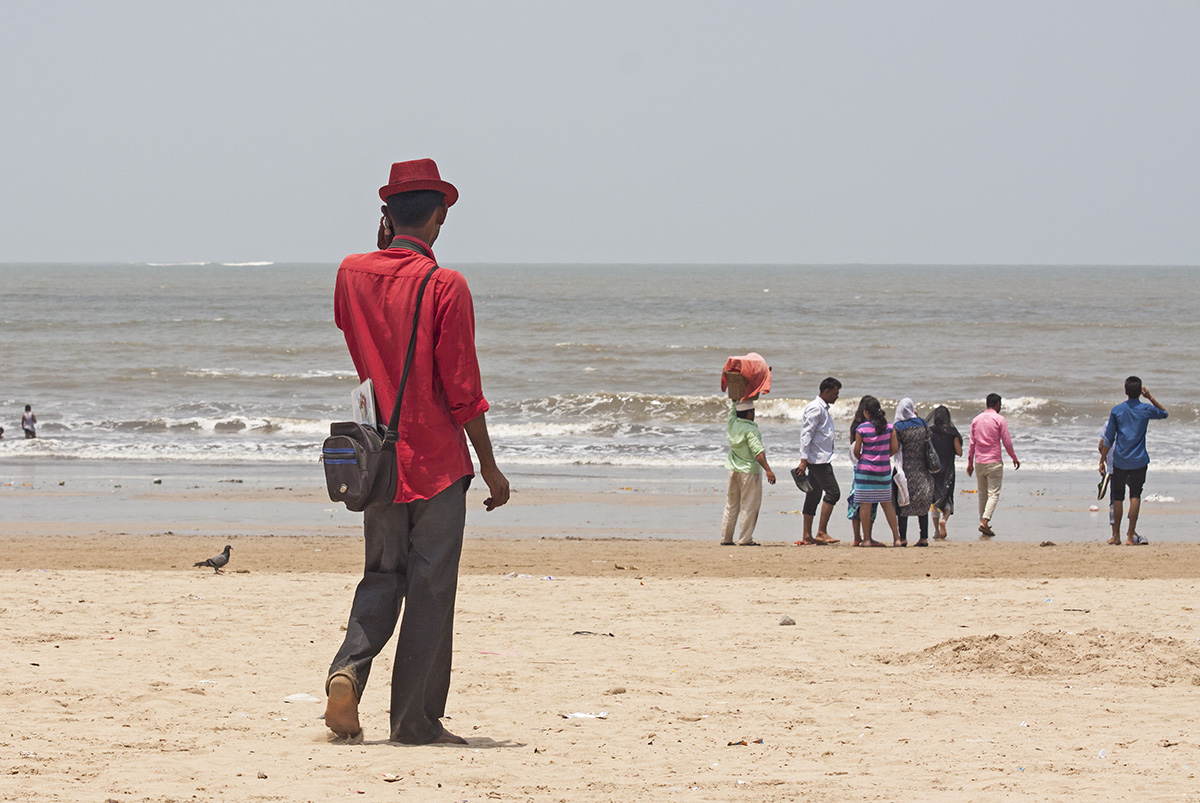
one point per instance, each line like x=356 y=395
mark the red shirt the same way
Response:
x=373 y=306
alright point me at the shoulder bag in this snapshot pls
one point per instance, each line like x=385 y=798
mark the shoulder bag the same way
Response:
x=360 y=460
x=932 y=462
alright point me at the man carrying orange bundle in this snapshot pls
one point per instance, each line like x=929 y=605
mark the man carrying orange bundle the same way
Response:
x=745 y=378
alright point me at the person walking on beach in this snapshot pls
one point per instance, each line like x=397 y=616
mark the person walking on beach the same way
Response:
x=989 y=430
x=874 y=444
x=1126 y=432
x=913 y=437
x=29 y=423
x=412 y=544
x=947 y=442
x=747 y=462
x=816 y=458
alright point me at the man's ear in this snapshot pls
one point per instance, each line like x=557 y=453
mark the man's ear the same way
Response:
x=383 y=210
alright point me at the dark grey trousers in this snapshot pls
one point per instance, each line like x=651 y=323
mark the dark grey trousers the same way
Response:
x=412 y=553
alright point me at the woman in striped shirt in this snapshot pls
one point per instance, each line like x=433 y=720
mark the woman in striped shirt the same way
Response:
x=874 y=444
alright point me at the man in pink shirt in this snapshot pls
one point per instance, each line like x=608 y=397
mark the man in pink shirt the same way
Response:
x=988 y=431
x=413 y=544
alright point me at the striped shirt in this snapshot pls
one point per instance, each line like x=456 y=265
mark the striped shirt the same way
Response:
x=876 y=450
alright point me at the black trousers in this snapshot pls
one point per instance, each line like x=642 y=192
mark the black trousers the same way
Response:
x=823 y=482
x=922 y=522
x=412 y=553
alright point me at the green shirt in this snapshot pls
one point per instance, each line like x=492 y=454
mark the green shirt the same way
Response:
x=745 y=444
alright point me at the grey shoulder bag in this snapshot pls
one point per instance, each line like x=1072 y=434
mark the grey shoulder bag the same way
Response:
x=360 y=460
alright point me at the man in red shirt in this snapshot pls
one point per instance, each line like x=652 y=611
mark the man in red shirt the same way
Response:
x=412 y=545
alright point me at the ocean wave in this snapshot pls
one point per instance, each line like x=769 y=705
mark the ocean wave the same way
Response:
x=245 y=264
x=84 y=428
x=301 y=444
x=706 y=409
x=544 y=430
x=241 y=373
x=627 y=407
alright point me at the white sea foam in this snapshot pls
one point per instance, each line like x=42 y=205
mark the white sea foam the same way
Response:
x=245 y=264
x=543 y=430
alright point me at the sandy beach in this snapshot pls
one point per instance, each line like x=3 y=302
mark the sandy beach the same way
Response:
x=966 y=671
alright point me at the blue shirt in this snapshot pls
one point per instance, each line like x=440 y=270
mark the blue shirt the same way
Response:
x=1126 y=431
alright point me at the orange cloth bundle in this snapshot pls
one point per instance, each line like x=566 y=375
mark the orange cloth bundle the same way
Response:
x=750 y=369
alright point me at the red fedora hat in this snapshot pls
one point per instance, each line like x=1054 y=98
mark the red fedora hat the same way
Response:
x=419 y=174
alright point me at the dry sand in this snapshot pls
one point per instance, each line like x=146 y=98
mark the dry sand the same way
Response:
x=967 y=671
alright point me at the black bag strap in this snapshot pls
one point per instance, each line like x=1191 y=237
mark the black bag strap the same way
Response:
x=392 y=434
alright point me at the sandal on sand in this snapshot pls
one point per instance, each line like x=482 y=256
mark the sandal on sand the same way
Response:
x=1139 y=541
x=986 y=530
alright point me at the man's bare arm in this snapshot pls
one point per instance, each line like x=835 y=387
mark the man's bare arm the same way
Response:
x=497 y=483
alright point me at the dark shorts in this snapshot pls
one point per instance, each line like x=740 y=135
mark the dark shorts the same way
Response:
x=824 y=485
x=1135 y=478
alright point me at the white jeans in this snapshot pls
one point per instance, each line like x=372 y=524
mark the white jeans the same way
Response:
x=745 y=497
x=990 y=477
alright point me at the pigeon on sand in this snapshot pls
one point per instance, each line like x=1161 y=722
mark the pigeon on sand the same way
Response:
x=216 y=561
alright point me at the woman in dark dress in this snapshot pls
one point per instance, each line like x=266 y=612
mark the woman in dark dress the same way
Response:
x=947 y=442
x=912 y=435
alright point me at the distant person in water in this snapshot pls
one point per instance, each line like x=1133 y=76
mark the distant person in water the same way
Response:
x=29 y=423
x=747 y=462
x=1126 y=432
x=989 y=431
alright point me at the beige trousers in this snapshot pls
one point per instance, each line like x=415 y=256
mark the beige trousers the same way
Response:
x=744 y=497
x=990 y=476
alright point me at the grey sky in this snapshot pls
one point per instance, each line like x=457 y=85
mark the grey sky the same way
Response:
x=794 y=132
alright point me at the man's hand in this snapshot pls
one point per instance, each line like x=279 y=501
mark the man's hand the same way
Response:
x=1151 y=399
x=970 y=469
x=803 y=467
x=1103 y=468
x=497 y=485
x=770 y=477
x=1016 y=464
x=384 y=237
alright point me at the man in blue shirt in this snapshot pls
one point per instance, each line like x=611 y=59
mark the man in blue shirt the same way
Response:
x=1126 y=434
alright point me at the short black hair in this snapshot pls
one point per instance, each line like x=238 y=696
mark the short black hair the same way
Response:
x=993 y=400
x=828 y=383
x=30 y=409
x=413 y=208
x=1133 y=387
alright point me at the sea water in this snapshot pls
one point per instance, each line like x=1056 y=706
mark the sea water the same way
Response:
x=597 y=365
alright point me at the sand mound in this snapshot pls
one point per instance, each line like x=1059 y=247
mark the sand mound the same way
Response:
x=1113 y=656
